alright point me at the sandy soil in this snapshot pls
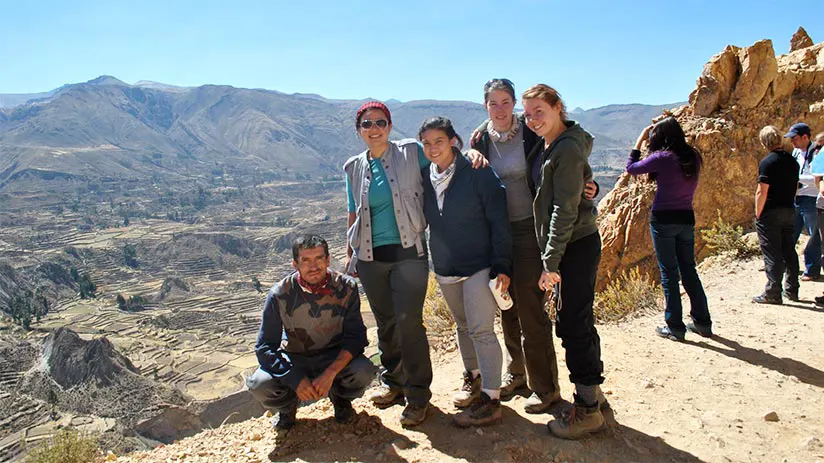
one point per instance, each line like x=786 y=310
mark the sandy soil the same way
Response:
x=702 y=400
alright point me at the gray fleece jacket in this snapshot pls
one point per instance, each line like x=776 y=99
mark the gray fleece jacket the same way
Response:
x=559 y=173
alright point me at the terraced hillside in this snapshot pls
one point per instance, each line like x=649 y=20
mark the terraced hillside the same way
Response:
x=192 y=271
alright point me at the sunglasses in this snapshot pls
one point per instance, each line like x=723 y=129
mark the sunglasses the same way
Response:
x=367 y=124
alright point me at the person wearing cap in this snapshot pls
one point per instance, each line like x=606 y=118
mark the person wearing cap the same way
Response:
x=386 y=249
x=806 y=216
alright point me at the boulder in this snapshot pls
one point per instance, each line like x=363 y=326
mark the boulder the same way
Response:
x=716 y=82
x=758 y=71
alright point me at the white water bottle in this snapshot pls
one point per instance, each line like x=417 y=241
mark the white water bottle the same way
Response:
x=501 y=297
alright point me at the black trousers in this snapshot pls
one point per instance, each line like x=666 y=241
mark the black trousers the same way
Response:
x=575 y=322
x=526 y=326
x=775 y=229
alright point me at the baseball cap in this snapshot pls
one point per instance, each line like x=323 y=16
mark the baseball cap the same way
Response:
x=798 y=128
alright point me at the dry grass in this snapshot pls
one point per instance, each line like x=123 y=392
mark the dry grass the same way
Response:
x=628 y=294
x=67 y=447
x=436 y=315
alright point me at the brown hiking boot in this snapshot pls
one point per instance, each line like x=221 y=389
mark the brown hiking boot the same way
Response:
x=513 y=384
x=539 y=402
x=469 y=392
x=385 y=396
x=483 y=412
x=579 y=422
x=414 y=415
x=603 y=403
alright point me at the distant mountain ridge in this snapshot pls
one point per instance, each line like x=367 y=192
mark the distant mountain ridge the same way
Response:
x=106 y=128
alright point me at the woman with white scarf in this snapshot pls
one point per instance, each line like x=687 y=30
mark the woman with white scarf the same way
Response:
x=471 y=244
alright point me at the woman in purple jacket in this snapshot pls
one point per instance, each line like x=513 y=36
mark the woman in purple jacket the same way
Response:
x=675 y=166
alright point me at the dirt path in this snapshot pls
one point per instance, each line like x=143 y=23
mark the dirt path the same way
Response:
x=702 y=400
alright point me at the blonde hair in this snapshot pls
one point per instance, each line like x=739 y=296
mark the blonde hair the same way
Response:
x=548 y=94
x=770 y=137
x=819 y=138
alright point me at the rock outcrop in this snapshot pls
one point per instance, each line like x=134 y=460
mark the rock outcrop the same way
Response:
x=91 y=377
x=739 y=91
x=800 y=40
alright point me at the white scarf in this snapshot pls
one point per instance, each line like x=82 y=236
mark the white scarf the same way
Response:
x=440 y=181
x=509 y=134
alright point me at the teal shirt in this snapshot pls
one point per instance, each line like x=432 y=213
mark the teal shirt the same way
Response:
x=384 y=225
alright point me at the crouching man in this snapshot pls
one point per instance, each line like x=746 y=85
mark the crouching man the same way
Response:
x=311 y=339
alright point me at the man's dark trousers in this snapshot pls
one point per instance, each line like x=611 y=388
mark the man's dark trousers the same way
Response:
x=349 y=384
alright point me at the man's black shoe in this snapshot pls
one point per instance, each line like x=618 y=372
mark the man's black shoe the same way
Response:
x=286 y=418
x=700 y=330
x=344 y=413
x=765 y=299
x=791 y=296
x=819 y=300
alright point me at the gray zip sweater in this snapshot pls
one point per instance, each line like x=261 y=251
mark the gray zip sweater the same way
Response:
x=559 y=173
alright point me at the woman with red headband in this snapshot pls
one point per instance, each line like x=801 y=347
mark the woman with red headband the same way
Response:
x=386 y=248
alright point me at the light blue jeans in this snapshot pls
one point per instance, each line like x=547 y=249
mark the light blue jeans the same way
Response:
x=473 y=307
x=806 y=218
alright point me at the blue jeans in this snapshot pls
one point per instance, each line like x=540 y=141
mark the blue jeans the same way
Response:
x=806 y=217
x=675 y=249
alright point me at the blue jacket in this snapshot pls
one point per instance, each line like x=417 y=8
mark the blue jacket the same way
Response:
x=473 y=231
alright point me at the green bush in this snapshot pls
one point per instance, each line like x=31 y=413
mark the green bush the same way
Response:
x=629 y=293
x=66 y=447
x=725 y=238
x=133 y=304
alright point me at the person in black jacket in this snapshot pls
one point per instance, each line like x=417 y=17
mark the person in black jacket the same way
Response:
x=458 y=199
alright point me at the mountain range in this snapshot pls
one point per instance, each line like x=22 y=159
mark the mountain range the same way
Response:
x=106 y=128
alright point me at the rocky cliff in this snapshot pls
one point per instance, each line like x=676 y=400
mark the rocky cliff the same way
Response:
x=739 y=91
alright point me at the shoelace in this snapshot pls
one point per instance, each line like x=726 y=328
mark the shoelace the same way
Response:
x=467 y=384
x=572 y=415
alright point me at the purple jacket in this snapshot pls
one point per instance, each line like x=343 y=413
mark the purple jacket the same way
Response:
x=675 y=191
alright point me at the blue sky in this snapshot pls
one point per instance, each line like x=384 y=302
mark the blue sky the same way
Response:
x=594 y=52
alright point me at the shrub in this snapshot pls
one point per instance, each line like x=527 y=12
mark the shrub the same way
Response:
x=130 y=256
x=133 y=304
x=629 y=293
x=436 y=314
x=87 y=287
x=725 y=238
x=67 y=447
